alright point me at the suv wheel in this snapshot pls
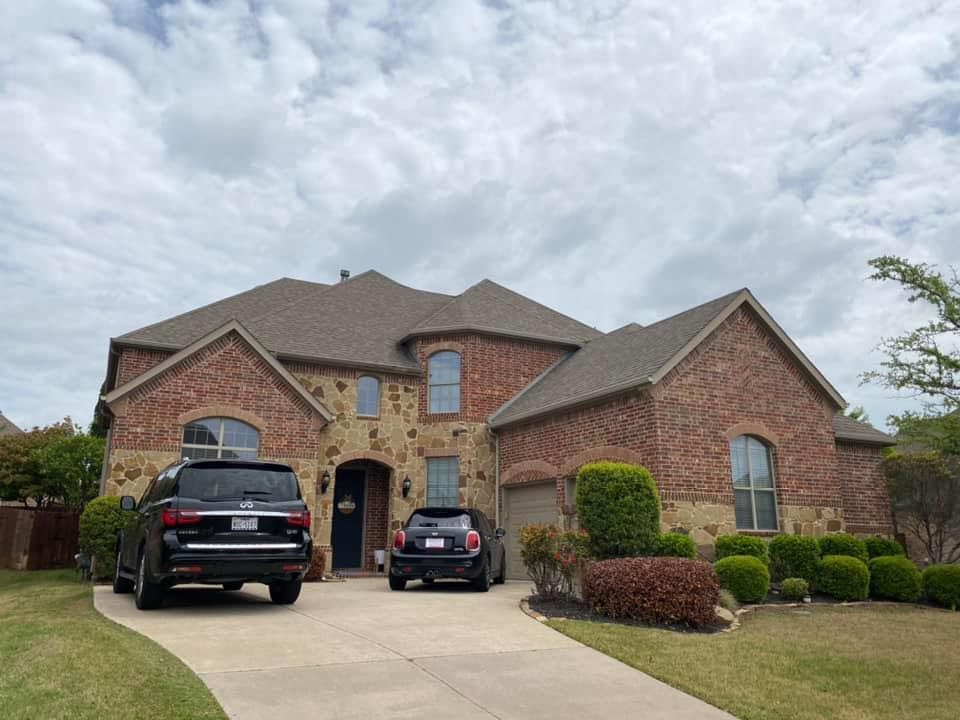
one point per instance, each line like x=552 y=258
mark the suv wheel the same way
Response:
x=121 y=585
x=285 y=592
x=232 y=586
x=397 y=583
x=147 y=595
x=483 y=581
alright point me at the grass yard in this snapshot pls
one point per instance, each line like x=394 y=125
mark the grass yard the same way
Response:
x=843 y=663
x=61 y=659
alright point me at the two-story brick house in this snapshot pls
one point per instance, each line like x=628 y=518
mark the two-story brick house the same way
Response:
x=384 y=398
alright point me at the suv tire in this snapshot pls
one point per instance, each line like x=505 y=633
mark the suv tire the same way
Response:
x=285 y=592
x=146 y=594
x=121 y=585
x=397 y=583
x=232 y=586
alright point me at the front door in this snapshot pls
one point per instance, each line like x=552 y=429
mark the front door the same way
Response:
x=347 y=536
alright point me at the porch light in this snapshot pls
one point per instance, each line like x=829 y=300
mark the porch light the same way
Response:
x=324 y=482
x=406 y=486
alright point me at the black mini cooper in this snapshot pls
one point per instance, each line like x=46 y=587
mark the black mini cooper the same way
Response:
x=448 y=543
x=218 y=522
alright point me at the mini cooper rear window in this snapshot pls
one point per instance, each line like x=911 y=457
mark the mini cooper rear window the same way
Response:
x=219 y=481
x=440 y=519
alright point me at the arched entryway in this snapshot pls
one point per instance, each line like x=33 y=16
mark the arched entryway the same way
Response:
x=361 y=504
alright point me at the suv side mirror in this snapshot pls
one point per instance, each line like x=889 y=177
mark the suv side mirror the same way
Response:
x=500 y=532
x=128 y=503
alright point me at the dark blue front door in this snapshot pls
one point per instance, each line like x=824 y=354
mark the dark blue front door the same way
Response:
x=347 y=535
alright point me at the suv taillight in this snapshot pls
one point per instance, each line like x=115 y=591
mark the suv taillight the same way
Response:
x=473 y=541
x=299 y=518
x=175 y=518
x=399 y=540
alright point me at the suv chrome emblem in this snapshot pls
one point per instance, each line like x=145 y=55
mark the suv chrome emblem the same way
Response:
x=246 y=505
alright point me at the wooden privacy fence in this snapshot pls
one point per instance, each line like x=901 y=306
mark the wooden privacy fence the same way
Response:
x=37 y=539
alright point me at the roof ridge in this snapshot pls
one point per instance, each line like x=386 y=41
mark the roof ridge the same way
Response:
x=729 y=295
x=535 y=302
x=314 y=293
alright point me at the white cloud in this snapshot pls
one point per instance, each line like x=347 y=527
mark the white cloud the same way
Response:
x=616 y=160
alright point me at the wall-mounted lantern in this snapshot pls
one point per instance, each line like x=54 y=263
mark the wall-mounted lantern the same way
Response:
x=324 y=482
x=406 y=486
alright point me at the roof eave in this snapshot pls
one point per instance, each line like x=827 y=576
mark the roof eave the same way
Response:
x=339 y=362
x=567 y=404
x=889 y=442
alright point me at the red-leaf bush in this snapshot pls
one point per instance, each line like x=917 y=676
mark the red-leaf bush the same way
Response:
x=665 y=590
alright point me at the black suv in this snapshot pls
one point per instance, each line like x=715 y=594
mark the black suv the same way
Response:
x=443 y=542
x=218 y=522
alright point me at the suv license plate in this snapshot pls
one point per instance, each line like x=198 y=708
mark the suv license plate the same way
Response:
x=434 y=543
x=244 y=523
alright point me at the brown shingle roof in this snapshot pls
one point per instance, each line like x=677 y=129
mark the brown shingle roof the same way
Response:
x=845 y=428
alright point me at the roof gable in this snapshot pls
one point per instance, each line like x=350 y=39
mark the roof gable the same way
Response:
x=8 y=427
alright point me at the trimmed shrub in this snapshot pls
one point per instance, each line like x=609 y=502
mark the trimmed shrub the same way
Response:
x=745 y=576
x=728 y=545
x=941 y=584
x=843 y=577
x=894 y=577
x=100 y=524
x=673 y=544
x=619 y=506
x=663 y=590
x=553 y=557
x=882 y=547
x=843 y=544
x=794 y=589
x=794 y=556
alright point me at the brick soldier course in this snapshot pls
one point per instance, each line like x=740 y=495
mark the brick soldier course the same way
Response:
x=286 y=359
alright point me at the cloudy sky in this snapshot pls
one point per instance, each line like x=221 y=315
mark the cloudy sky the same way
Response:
x=618 y=161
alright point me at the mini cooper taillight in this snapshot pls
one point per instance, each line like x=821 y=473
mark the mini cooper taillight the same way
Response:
x=399 y=540
x=176 y=518
x=299 y=518
x=473 y=541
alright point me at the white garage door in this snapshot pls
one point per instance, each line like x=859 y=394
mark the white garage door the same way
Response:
x=526 y=505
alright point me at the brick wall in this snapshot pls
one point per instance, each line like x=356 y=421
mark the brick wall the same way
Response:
x=377 y=520
x=866 y=506
x=136 y=361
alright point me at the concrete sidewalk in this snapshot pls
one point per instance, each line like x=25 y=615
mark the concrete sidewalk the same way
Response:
x=357 y=650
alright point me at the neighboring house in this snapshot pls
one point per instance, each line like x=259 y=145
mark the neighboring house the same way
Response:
x=401 y=398
x=7 y=427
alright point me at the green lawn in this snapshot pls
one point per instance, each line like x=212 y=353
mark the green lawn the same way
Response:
x=59 y=658
x=843 y=663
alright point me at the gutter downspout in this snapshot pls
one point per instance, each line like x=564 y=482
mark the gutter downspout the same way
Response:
x=496 y=475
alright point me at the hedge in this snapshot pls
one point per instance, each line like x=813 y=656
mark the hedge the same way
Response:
x=663 y=590
x=794 y=589
x=728 y=545
x=100 y=524
x=843 y=577
x=619 y=506
x=843 y=544
x=941 y=584
x=745 y=576
x=895 y=578
x=882 y=547
x=794 y=556
x=673 y=544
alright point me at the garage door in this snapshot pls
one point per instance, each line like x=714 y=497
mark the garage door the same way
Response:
x=526 y=505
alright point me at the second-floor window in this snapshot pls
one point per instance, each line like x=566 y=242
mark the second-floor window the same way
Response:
x=368 y=396
x=219 y=438
x=443 y=373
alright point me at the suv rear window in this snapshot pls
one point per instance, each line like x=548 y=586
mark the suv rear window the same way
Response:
x=440 y=518
x=229 y=481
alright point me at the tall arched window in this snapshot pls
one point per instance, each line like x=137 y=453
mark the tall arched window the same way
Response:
x=219 y=438
x=753 y=488
x=444 y=380
x=368 y=396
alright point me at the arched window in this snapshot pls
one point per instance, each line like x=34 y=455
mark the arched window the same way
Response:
x=444 y=379
x=368 y=396
x=219 y=438
x=753 y=487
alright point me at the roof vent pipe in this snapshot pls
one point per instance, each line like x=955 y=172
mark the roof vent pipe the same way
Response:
x=344 y=274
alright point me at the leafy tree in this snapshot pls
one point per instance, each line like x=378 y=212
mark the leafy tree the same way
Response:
x=98 y=426
x=857 y=413
x=929 y=431
x=70 y=468
x=21 y=478
x=924 y=491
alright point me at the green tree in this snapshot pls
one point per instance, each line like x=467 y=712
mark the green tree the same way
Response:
x=21 y=478
x=929 y=431
x=857 y=413
x=70 y=468
x=98 y=426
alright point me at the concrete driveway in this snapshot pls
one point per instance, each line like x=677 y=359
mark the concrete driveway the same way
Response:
x=357 y=650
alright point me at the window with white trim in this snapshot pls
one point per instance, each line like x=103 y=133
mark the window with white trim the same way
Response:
x=443 y=371
x=443 y=482
x=368 y=396
x=755 y=497
x=219 y=438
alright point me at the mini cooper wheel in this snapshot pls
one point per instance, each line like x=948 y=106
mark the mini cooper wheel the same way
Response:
x=232 y=586
x=484 y=580
x=121 y=585
x=397 y=583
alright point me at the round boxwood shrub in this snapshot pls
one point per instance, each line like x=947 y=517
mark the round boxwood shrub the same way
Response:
x=673 y=544
x=619 y=506
x=794 y=589
x=843 y=544
x=894 y=577
x=843 y=577
x=100 y=523
x=663 y=590
x=745 y=576
x=941 y=584
x=882 y=547
x=728 y=545
x=794 y=556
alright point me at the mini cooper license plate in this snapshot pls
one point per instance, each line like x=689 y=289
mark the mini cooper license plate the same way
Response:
x=434 y=543
x=244 y=523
